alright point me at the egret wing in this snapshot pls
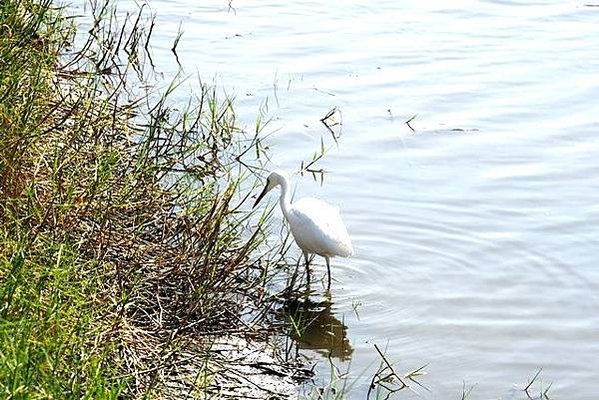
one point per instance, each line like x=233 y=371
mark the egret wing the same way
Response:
x=317 y=228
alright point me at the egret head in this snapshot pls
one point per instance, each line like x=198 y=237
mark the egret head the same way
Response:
x=276 y=178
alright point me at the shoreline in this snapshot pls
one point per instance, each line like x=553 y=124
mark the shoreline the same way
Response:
x=123 y=250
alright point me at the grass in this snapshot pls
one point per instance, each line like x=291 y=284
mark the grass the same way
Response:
x=124 y=244
x=387 y=382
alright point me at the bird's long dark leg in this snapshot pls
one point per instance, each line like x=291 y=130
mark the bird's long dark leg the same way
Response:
x=328 y=272
x=307 y=258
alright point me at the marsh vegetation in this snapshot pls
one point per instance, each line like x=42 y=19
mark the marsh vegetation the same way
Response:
x=127 y=249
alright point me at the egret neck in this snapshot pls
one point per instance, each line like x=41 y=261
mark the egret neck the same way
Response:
x=284 y=198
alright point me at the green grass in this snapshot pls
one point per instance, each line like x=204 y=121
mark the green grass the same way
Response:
x=47 y=313
x=123 y=240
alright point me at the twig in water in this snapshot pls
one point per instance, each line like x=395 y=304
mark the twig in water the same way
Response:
x=329 y=123
x=175 y=43
x=324 y=91
x=310 y=166
x=231 y=8
x=466 y=393
x=387 y=374
x=412 y=118
x=545 y=395
x=146 y=45
x=354 y=305
x=534 y=378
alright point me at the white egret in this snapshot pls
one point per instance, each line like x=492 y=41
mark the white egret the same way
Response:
x=316 y=226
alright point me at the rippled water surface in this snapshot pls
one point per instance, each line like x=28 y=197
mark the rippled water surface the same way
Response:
x=476 y=234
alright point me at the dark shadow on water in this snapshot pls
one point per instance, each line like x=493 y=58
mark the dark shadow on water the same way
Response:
x=315 y=327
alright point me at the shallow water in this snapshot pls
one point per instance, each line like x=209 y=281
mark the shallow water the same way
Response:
x=476 y=233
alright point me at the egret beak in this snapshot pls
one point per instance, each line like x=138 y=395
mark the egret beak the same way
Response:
x=264 y=191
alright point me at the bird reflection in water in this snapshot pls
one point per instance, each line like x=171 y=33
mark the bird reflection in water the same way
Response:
x=315 y=327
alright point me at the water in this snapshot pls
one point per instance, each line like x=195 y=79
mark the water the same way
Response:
x=476 y=235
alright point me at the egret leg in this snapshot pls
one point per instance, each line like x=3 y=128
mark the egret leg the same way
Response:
x=307 y=258
x=328 y=272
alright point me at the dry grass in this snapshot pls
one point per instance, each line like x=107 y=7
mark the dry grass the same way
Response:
x=126 y=247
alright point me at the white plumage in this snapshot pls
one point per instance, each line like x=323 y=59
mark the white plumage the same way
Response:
x=318 y=229
x=316 y=226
